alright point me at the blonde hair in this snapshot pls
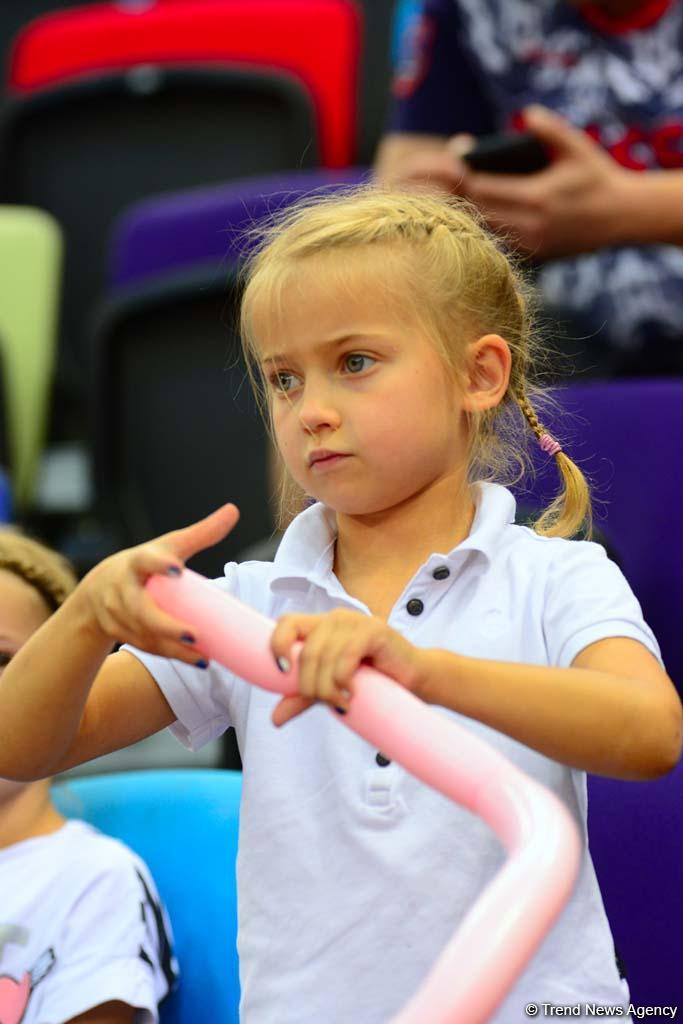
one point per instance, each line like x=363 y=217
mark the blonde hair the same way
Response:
x=459 y=285
x=45 y=570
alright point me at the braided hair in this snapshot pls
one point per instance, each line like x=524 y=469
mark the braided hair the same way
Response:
x=43 y=569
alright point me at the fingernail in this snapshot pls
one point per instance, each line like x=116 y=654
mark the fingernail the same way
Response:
x=340 y=711
x=173 y=570
x=202 y=663
x=283 y=664
x=187 y=638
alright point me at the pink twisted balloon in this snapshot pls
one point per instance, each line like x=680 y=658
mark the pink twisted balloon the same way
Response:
x=508 y=922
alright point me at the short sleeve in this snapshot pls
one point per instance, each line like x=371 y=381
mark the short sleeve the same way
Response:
x=199 y=698
x=116 y=946
x=588 y=598
x=438 y=87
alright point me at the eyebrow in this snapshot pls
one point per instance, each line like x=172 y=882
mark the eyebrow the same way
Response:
x=334 y=343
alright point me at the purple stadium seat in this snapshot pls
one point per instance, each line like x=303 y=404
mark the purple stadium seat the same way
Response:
x=179 y=230
x=628 y=438
x=635 y=836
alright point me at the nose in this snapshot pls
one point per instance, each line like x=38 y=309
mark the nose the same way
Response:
x=318 y=409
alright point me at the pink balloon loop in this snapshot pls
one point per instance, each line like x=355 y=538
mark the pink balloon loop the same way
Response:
x=506 y=925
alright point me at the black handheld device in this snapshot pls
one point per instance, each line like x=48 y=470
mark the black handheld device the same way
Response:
x=507 y=154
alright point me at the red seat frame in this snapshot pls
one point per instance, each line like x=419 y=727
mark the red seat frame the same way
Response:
x=316 y=40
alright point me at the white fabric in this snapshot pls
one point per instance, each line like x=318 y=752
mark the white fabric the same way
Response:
x=352 y=876
x=77 y=928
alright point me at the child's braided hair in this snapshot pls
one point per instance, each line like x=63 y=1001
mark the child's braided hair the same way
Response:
x=45 y=570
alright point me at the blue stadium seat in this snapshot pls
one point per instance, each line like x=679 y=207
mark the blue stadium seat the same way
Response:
x=184 y=825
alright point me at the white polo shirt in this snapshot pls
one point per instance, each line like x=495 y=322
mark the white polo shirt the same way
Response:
x=353 y=876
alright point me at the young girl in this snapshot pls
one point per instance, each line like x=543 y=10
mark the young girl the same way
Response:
x=82 y=934
x=392 y=337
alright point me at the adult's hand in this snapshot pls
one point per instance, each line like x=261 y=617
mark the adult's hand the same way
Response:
x=578 y=204
x=414 y=160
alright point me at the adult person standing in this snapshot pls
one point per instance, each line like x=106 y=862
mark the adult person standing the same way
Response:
x=601 y=85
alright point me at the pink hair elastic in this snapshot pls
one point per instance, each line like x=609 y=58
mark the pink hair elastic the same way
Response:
x=549 y=444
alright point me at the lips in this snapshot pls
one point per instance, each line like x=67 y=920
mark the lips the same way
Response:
x=323 y=462
x=323 y=455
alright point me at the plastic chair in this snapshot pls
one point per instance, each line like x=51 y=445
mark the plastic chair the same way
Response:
x=87 y=150
x=4 y=442
x=177 y=431
x=635 y=837
x=627 y=435
x=15 y=16
x=31 y=260
x=405 y=14
x=180 y=230
x=184 y=825
x=6 y=513
x=316 y=40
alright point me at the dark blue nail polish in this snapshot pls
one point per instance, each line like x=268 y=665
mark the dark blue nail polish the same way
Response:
x=283 y=664
x=173 y=570
x=340 y=711
x=187 y=638
x=202 y=663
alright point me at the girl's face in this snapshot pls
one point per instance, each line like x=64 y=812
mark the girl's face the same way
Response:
x=350 y=372
x=22 y=611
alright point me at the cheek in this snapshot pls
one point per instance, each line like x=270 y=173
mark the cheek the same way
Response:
x=278 y=420
x=413 y=417
x=287 y=439
x=282 y=428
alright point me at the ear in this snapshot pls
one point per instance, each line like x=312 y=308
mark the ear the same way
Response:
x=487 y=373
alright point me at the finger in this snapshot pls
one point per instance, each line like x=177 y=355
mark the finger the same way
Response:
x=154 y=621
x=288 y=708
x=174 y=649
x=203 y=534
x=555 y=131
x=443 y=169
x=135 y=618
x=460 y=144
x=336 y=668
x=122 y=631
x=152 y=559
x=317 y=661
x=496 y=189
x=289 y=629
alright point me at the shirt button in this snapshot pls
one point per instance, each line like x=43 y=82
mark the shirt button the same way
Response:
x=415 y=606
x=442 y=573
x=382 y=761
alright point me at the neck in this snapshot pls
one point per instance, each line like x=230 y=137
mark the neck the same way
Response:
x=401 y=538
x=28 y=814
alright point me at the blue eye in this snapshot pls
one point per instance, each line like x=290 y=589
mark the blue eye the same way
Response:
x=356 y=355
x=278 y=381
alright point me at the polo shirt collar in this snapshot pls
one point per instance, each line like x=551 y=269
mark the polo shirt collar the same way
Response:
x=306 y=551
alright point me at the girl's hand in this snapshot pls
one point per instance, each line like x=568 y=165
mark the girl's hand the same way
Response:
x=117 y=605
x=335 y=645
